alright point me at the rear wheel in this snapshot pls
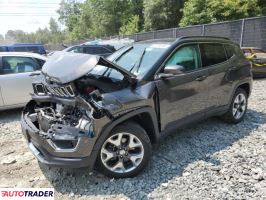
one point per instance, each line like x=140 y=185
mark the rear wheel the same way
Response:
x=125 y=152
x=238 y=107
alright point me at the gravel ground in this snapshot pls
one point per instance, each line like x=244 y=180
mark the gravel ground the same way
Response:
x=211 y=160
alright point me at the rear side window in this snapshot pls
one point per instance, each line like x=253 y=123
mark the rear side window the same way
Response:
x=20 y=49
x=212 y=53
x=230 y=50
x=3 y=49
x=33 y=49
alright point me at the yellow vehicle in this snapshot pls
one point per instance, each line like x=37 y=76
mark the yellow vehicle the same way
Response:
x=257 y=57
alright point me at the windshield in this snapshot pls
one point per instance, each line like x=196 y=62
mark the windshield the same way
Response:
x=137 y=59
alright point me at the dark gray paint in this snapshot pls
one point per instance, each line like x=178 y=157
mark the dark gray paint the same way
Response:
x=169 y=103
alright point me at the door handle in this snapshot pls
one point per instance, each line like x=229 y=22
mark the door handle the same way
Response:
x=201 y=78
x=35 y=74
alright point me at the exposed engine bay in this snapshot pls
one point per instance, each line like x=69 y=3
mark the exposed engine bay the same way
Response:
x=72 y=103
x=56 y=121
x=67 y=112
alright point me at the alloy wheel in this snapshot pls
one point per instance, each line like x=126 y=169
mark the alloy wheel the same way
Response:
x=122 y=152
x=239 y=106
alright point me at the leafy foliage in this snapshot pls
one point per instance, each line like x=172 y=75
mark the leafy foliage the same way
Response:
x=162 y=14
x=206 y=11
x=98 y=18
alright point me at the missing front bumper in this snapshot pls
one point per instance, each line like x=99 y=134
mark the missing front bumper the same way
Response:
x=47 y=152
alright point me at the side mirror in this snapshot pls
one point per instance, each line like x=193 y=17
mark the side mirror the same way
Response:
x=171 y=70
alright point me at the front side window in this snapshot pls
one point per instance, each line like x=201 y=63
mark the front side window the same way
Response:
x=15 y=64
x=212 y=53
x=186 y=56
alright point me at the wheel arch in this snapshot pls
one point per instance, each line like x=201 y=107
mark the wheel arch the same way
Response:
x=139 y=115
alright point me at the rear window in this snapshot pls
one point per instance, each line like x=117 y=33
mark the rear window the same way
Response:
x=212 y=53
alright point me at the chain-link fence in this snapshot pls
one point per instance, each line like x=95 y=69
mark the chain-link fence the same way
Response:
x=246 y=32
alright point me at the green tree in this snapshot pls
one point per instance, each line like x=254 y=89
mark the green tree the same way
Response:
x=97 y=18
x=206 y=11
x=132 y=26
x=1 y=37
x=161 y=14
x=67 y=9
x=53 y=26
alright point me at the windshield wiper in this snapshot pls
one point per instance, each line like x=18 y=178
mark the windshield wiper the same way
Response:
x=140 y=59
x=118 y=58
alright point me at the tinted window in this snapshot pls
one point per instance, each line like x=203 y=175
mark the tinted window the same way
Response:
x=95 y=50
x=33 y=49
x=20 y=49
x=40 y=62
x=3 y=49
x=258 y=51
x=104 y=50
x=246 y=51
x=75 y=50
x=230 y=50
x=186 y=56
x=12 y=64
x=212 y=54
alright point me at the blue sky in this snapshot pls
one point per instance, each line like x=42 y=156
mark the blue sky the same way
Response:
x=26 y=15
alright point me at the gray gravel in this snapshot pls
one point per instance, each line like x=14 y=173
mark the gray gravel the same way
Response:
x=211 y=160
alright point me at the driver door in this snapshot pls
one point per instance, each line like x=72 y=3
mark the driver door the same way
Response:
x=185 y=95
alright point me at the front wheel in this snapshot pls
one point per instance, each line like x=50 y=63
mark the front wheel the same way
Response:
x=125 y=152
x=238 y=107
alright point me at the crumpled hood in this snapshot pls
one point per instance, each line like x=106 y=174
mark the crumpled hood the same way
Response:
x=64 y=67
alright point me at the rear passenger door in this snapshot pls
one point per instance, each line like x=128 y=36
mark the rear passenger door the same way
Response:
x=16 y=79
x=214 y=58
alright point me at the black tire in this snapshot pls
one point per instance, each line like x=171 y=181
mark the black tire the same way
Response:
x=140 y=133
x=229 y=117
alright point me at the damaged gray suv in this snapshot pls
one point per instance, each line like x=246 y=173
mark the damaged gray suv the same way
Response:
x=106 y=113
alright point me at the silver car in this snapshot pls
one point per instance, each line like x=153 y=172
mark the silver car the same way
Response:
x=17 y=71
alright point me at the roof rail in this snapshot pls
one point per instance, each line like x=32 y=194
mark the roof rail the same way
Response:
x=214 y=37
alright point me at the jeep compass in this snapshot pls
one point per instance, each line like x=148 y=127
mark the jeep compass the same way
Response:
x=106 y=113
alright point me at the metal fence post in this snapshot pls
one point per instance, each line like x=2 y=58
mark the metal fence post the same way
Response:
x=242 y=33
x=136 y=37
x=153 y=34
x=203 y=29
x=174 y=32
